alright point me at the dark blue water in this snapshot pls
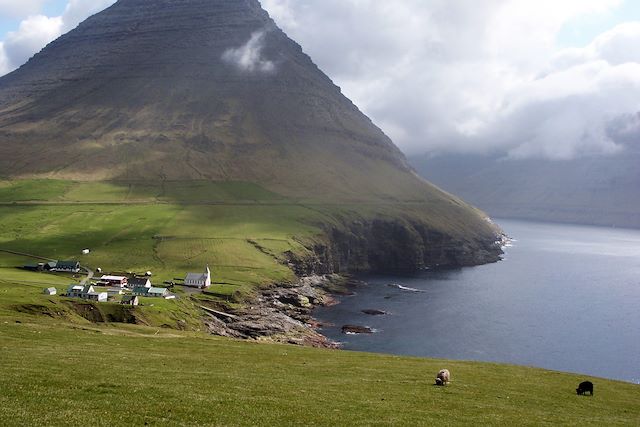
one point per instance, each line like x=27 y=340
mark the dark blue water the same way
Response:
x=565 y=298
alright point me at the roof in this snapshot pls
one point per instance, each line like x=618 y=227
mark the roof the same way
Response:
x=88 y=289
x=51 y=290
x=141 y=290
x=117 y=278
x=67 y=264
x=75 y=288
x=157 y=290
x=196 y=276
x=129 y=298
x=138 y=281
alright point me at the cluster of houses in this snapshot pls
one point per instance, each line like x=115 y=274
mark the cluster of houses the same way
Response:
x=117 y=285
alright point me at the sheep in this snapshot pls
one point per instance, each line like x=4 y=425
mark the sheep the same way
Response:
x=443 y=377
x=584 y=387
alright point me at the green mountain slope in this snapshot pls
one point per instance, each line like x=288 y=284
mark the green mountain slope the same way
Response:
x=212 y=91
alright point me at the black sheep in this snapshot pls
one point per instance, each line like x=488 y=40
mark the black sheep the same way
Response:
x=584 y=387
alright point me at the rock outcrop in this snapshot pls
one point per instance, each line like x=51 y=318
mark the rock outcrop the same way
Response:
x=280 y=314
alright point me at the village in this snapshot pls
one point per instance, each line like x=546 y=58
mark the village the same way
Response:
x=117 y=288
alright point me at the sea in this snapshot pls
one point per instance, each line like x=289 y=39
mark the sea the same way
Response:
x=565 y=297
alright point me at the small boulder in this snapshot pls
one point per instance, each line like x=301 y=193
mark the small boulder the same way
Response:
x=374 y=312
x=356 y=330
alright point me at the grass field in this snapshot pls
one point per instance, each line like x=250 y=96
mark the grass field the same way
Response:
x=169 y=229
x=59 y=367
x=54 y=374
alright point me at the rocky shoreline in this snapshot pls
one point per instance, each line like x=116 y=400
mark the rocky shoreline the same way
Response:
x=281 y=314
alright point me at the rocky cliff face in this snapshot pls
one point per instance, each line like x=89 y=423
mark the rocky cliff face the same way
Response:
x=399 y=246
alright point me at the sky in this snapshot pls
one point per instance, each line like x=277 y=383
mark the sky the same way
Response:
x=555 y=79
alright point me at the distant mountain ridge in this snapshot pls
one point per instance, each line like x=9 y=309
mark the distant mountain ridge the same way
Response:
x=603 y=190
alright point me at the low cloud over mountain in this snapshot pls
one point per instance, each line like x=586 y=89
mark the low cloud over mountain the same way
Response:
x=249 y=57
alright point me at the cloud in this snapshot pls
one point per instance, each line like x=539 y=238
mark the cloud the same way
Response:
x=33 y=34
x=441 y=76
x=4 y=61
x=20 y=8
x=36 y=31
x=79 y=10
x=248 y=58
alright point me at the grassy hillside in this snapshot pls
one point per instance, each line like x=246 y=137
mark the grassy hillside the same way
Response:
x=240 y=229
x=58 y=375
x=167 y=229
x=246 y=234
x=60 y=368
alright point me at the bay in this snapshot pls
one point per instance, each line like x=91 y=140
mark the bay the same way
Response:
x=565 y=297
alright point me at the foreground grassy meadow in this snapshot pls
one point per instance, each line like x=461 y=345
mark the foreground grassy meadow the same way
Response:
x=55 y=374
x=59 y=368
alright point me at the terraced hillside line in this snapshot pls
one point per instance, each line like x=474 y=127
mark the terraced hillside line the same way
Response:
x=26 y=255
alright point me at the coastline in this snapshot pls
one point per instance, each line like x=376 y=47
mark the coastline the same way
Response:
x=283 y=312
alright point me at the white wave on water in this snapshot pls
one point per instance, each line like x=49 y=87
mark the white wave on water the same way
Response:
x=404 y=288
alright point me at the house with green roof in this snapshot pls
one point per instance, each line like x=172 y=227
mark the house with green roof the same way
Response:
x=150 y=292
x=66 y=266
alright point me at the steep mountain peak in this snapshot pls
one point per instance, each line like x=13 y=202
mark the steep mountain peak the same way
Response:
x=192 y=89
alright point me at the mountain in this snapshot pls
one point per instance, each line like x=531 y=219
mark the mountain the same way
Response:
x=185 y=90
x=143 y=91
x=602 y=190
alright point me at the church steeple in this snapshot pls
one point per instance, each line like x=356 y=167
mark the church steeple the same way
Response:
x=207 y=277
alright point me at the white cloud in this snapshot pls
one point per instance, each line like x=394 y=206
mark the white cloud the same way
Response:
x=79 y=10
x=444 y=75
x=248 y=58
x=36 y=31
x=20 y=8
x=4 y=61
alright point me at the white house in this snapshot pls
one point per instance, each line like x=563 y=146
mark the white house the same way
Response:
x=86 y=292
x=130 y=300
x=158 y=292
x=150 y=292
x=97 y=296
x=116 y=281
x=75 y=291
x=50 y=291
x=198 y=280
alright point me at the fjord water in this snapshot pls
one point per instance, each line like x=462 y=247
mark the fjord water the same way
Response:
x=565 y=297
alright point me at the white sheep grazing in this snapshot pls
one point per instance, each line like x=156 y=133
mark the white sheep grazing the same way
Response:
x=443 y=377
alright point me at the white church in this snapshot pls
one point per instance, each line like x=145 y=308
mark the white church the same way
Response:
x=198 y=280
